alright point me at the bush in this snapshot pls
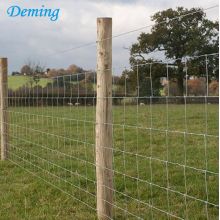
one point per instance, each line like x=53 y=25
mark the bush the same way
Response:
x=214 y=88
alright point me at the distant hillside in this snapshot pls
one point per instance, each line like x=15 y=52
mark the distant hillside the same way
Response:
x=15 y=82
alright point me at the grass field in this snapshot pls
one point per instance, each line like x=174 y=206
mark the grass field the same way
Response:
x=57 y=145
x=15 y=82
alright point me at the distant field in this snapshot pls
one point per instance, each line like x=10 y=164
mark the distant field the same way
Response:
x=15 y=82
x=57 y=144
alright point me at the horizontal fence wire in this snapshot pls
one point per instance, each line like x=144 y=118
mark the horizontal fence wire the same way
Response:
x=137 y=30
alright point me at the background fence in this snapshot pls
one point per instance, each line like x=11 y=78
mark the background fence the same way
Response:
x=148 y=157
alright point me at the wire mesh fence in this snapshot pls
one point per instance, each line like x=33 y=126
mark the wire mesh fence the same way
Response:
x=52 y=134
x=164 y=139
x=165 y=148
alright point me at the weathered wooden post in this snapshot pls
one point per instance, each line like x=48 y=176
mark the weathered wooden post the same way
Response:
x=104 y=151
x=4 y=106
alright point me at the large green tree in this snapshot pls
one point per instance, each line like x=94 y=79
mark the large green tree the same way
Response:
x=144 y=80
x=188 y=35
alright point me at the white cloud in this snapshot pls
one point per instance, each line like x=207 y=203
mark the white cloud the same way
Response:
x=36 y=38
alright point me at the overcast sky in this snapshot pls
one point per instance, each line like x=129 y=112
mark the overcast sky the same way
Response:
x=35 y=39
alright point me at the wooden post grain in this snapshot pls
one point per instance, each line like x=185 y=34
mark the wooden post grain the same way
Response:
x=104 y=154
x=4 y=106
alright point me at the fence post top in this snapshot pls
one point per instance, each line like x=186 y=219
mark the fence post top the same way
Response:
x=104 y=18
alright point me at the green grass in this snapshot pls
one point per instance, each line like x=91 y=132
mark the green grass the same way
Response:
x=57 y=145
x=15 y=82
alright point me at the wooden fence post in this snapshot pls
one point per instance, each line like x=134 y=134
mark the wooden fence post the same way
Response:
x=4 y=106
x=104 y=151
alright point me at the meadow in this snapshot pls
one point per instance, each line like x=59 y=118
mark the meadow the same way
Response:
x=165 y=162
x=16 y=82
